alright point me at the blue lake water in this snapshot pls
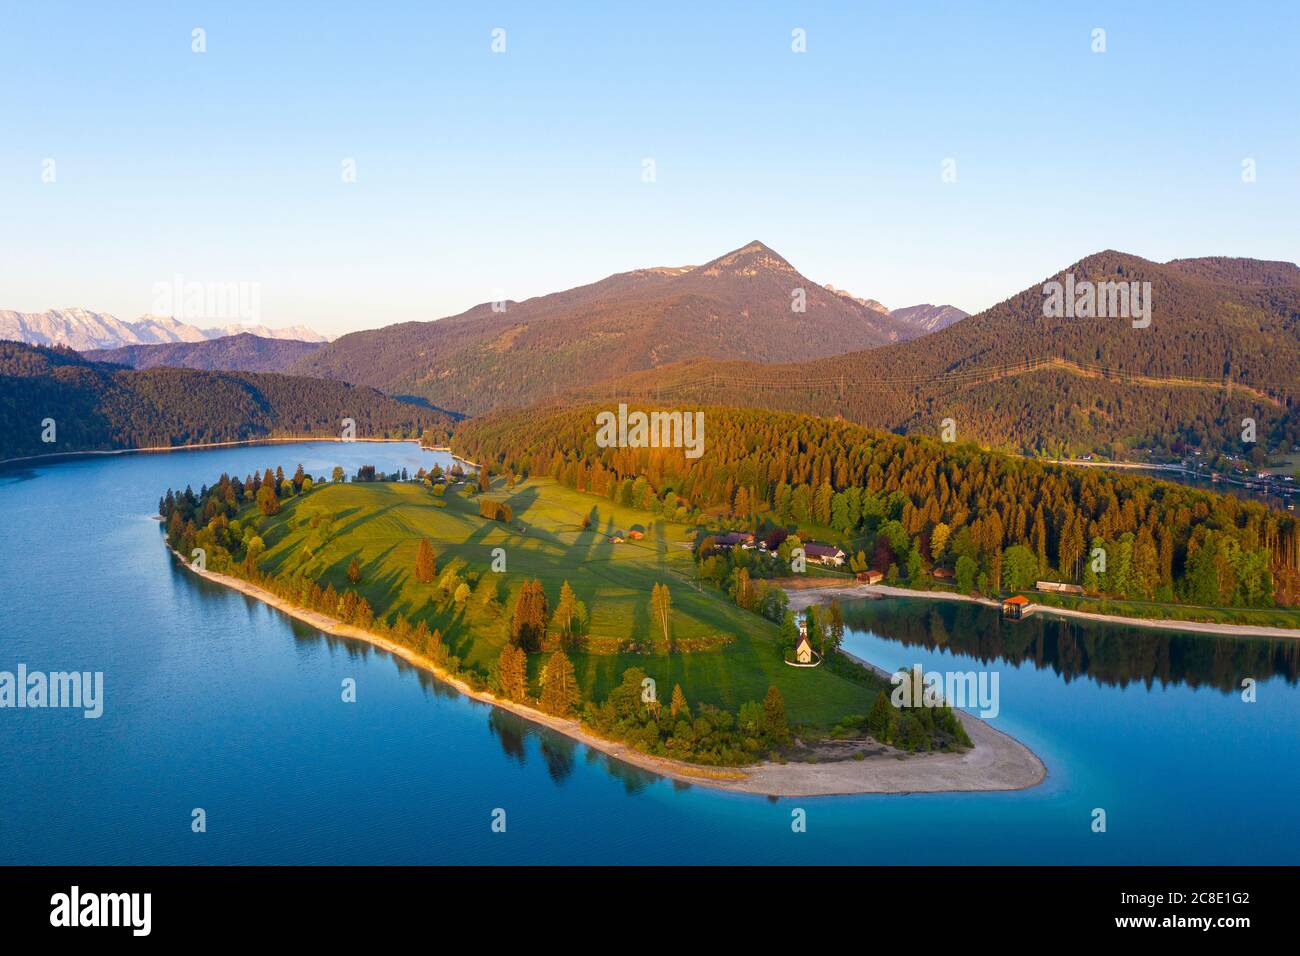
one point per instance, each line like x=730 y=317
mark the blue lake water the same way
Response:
x=213 y=700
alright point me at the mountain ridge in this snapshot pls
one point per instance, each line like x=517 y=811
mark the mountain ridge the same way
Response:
x=244 y=352
x=749 y=303
x=1079 y=384
x=83 y=329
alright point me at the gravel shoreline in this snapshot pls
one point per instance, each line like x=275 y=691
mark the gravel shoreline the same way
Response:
x=997 y=761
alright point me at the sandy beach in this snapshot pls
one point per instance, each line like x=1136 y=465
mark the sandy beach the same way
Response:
x=997 y=762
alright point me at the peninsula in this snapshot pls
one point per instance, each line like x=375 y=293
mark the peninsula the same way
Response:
x=569 y=611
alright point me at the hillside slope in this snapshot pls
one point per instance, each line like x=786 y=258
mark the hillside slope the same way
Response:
x=1223 y=345
x=883 y=498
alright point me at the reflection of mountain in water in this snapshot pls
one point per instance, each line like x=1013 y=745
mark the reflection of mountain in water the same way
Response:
x=1106 y=653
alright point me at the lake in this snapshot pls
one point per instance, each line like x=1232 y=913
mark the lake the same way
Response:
x=215 y=701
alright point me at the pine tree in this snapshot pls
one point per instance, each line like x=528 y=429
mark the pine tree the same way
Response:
x=744 y=592
x=267 y=500
x=426 y=567
x=741 y=506
x=789 y=631
x=528 y=626
x=363 y=615
x=560 y=694
x=512 y=672
x=565 y=609
x=880 y=722
x=661 y=601
x=354 y=571
x=835 y=632
x=678 y=703
x=774 y=716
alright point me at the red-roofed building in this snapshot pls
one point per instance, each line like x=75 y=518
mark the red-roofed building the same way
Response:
x=1014 y=607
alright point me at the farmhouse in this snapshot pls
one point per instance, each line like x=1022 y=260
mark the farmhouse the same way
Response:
x=825 y=554
x=1057 y=588
x=730 y=539
x=870 y=577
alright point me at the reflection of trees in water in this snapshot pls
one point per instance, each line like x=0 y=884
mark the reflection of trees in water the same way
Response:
x=558 y=752
x=360 y=652
x=510 y=730
x=1107 y=653
x=634 y=779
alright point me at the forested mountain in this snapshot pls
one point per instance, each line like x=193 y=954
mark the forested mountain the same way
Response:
x=739 y=306
x=99 y=407
x=244 y=352
x=1223 y=344
x=908 y=504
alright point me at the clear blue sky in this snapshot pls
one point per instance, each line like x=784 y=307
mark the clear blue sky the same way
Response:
x=522 y=171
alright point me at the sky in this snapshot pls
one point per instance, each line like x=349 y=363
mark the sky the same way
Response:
x=482 y=174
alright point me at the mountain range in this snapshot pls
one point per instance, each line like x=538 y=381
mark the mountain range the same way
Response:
x=747 y=328
x=1223 y=346
x=244 y=352
x=82 y=329
x=750 y=304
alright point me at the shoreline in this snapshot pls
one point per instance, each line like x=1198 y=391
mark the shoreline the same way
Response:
x=455 y=457
x=996 y=762
x=801 y=598
x=163 y=449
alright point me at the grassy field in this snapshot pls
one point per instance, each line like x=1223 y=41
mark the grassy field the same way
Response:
x=381 y=524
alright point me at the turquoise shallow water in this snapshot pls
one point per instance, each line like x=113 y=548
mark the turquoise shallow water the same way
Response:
x=216 y=701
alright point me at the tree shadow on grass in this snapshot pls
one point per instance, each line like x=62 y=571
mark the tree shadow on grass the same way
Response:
x=364 y=519
x=521 y=499
x=380 y=587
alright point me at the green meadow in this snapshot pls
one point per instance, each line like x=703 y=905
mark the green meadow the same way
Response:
x=380 y=525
